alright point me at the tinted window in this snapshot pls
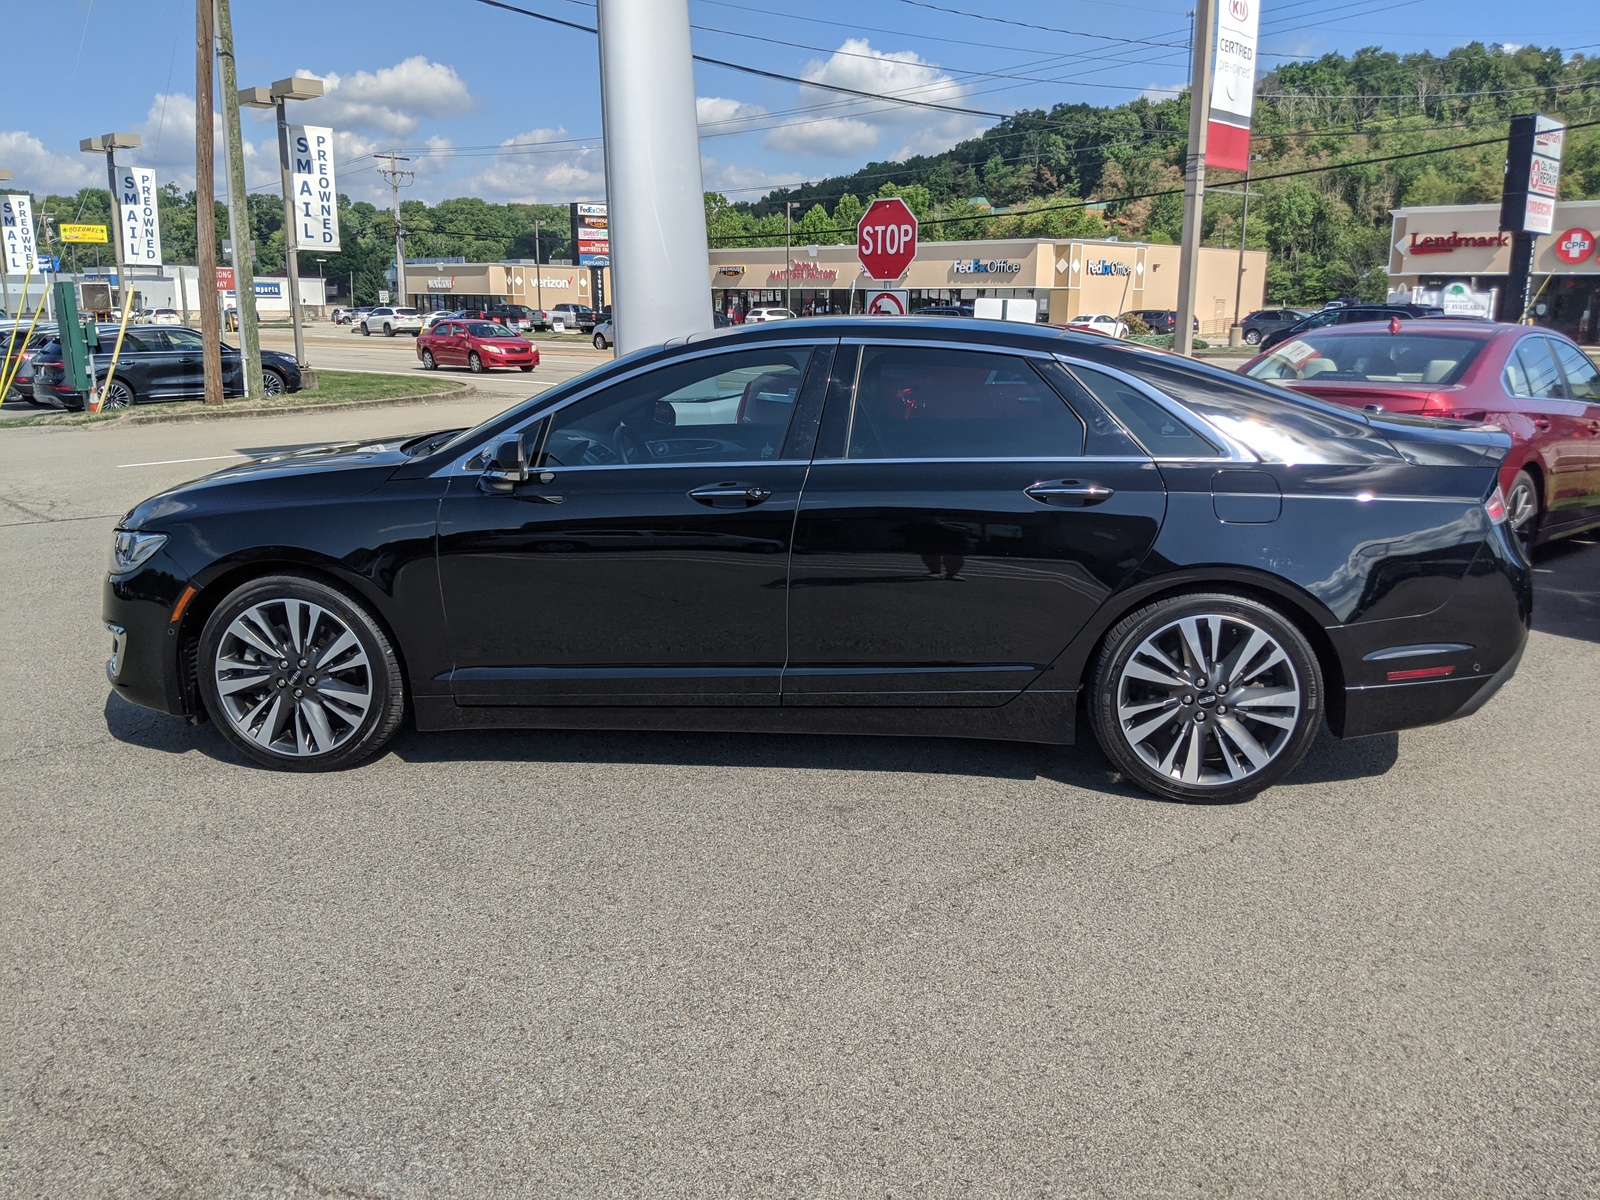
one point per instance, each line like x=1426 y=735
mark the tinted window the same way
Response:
x=1370 y=358
x=917 y=402
x=720 y=408
x=1532 y=372
x=184 y=339
x=1157 y=430
x=1583 y=380
x=486 y=329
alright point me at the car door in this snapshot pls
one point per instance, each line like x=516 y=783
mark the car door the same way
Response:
x=449 y=346
x=1559 y=428
x=1583 y=387
x=961 y=522
x=188 y=352
x=644 y=560
x=144 y=363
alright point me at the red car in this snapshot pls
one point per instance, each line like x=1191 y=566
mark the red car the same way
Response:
x=477 y=345
x=1535 y=384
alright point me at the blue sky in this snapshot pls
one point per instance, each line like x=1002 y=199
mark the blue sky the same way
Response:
x=493 y=104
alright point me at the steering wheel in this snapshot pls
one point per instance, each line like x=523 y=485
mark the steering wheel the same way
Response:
x=630 y=445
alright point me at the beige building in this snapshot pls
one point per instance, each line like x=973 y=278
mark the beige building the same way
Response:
x=482 y=285
x=1436 y=251
x=1068 y=279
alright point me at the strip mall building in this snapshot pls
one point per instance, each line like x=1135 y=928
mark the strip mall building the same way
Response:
x=1068 y=279
x=453 y=285
x=1458 y=249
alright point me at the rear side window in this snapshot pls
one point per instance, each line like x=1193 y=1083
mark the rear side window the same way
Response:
x=1158 y=431
x=922 y=402
x=1583 y=380
x=1531 y=372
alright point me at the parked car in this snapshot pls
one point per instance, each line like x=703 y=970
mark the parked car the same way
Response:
x=758 y=316
x=430 y=319
x=1158 y=320
x=1347 y=314
x=1097 y=323
x=604 y=335
x=17 y=351
x=1264 y=321
x=477 y=345
x=391 y=321
x=156 y=363
x=944 y=310
x=165 y=316
x=349 y=316
x=1535 y=384
x=989 y=525
x=515 y=317
x=574 y=316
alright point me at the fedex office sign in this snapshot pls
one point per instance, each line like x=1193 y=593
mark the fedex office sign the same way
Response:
x=316 y=200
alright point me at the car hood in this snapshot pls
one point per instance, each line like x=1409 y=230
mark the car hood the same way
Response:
x=332 y=472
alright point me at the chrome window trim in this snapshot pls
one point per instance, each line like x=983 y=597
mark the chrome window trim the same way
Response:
x=1040 y=458
x=1233 y=451
x=459 y=466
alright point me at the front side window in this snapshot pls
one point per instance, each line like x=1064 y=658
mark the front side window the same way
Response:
x=921 y=402
x=719 y=408
x=487 y=329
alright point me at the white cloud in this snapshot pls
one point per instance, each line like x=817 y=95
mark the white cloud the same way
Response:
x=528 y=170
x=732 y=179
x=390 y=100
x=836 y=124
x=1156 y=92
x=718 y=114
x=35 y=169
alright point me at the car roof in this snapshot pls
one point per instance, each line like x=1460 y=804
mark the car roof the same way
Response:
x=909 y=328
x=1424 y=326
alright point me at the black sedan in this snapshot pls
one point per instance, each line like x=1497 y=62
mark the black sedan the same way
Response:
x=158 y=362
x=937 y=527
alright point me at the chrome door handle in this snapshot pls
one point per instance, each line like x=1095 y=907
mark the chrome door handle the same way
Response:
x=729 y=495
x=1070 y=490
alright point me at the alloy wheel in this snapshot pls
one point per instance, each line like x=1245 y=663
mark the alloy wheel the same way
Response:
x=272 y=384
x=1522 y=507
x=1208 y=700
x=118 y=395
x=293 y=677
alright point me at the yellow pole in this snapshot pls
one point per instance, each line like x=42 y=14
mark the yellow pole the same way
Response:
x=14 y=359
x=97 y=396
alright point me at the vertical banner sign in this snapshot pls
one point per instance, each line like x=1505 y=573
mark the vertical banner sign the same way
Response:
x=591 y=235
x=1533 y=174
x=16 y=227
x=1233 y=87
x=140 y=216
x=316 y=199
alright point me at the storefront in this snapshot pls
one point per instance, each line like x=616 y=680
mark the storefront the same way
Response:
x=453 y=285
x=1066 y=279
x=1456 y=256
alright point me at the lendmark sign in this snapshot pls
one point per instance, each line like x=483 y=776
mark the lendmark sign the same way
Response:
x=1448 y=243
x=886 y=238
x=316 y=198
x=139 y=215
x=1233 y=86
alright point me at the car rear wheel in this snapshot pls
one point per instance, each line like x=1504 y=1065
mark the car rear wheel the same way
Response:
x=273 y=383
x=1208 y=697
x=388 y=329
x=1252 y=337
x=298 y=676
x=1523 y=508
x=118 y=395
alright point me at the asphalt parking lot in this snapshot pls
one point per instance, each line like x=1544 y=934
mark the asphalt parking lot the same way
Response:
x=591 y=964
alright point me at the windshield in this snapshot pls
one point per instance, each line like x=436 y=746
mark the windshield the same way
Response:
x=487 y=329
x=1370 y=358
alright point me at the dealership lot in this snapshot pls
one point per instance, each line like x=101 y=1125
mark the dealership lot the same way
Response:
x=590 y=963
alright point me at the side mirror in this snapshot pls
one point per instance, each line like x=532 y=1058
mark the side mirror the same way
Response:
x=506 y=468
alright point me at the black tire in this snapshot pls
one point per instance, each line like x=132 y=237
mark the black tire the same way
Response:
x=1524 y=510
x=365 y=332
x=353 y=740
x=388 y=329
x=118 y=395
x=474 y=363
x=273 y=383
x=429 y=363
x=524 y=370
x=1206 y=735
x=599 y=341
x=1252 y=337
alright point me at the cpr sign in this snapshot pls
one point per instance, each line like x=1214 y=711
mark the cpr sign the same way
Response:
x=886 y=238
x=1574 y=246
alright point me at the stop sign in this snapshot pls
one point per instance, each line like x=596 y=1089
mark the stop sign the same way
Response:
x=886 y=238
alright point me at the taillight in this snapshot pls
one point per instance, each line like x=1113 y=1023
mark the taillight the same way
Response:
x=1495 y=506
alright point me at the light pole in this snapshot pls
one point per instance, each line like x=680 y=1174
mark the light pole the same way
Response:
x=788 y=251
x=5 y=177
x=322 y=288
x=277 y=96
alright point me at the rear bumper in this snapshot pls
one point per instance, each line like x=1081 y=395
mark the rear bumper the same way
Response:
x=1385 y=708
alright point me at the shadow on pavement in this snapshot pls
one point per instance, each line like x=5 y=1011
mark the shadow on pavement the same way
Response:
x=1566 y=588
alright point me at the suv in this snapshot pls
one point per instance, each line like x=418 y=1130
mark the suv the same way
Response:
x=757 y=316
x=1269 y=320
x=1157 y=320
x=1349 y=315
x=390 y=321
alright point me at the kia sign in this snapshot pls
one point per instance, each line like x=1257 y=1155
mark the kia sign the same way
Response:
x=1574 y=246
x=886 y=238
x=1233 y=86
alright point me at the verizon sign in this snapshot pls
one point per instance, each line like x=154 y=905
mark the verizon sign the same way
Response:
x=1233 y=86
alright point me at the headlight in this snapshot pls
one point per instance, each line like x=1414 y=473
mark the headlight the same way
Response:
x=131 y=550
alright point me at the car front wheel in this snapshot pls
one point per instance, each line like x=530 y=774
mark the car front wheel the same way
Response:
x=298 y=676
x=475 y=363
x=273 y=383
x=365 y=331
x=599 y=341
x=1252 y=337
x=428 y=361
x=1206 y=697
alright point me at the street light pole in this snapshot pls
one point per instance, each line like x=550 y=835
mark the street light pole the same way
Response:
x=277 y=97
x=788 y=252
x=1194 y=175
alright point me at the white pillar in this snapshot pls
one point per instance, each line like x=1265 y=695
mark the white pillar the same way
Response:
x=660 y=267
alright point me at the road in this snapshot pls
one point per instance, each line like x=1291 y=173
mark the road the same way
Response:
x=595 y=964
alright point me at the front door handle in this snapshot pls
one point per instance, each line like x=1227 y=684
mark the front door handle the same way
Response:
x=729 y=495
x=1069 y=491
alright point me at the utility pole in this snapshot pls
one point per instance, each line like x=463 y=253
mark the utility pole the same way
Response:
x=1194 y=173
x=5 y=279
x=395 y=176
x=788 y=252
x=239 y=207
x=205 y=206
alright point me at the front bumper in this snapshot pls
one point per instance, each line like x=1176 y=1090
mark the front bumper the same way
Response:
x=147 y=662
